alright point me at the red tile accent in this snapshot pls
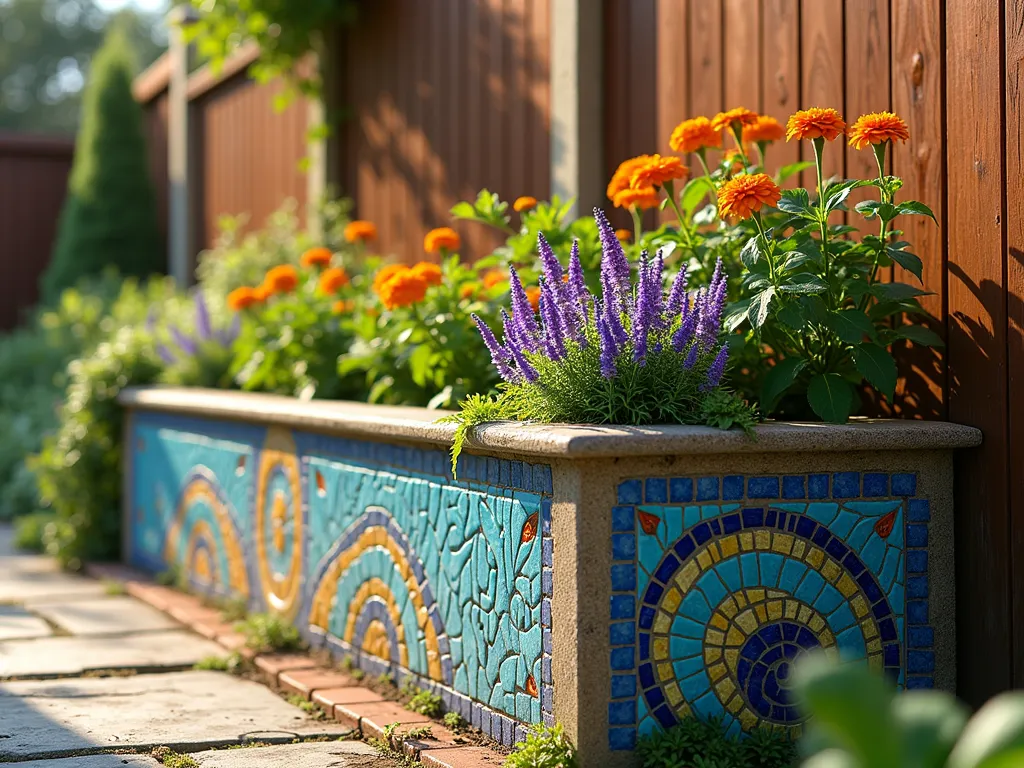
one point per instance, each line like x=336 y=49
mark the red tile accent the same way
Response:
x=461 y=757
x=328 y=698
x=273 y=664
x=305 y=681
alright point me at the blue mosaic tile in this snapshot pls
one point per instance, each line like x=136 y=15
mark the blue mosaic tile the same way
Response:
x=763 y=487
x=630 y=492
x=623 y=606
x=622 y=658
x=623 y=546
x=920 y=684
x=622 y=713
x=920 y=661
x=680 y=489
x=707 y=489
x=917 y=561
x=623 y=518
x=623 y=686
x=846 y=485
x=732 y=487
x=917 y=535
x=817 y=486
x=919 y=511
x=622 y=633
x=656 y=490
x=904 y=484
x=876 y=484
x=622 y=739
x=623 y=578
x=920 y=637
x=793 y=487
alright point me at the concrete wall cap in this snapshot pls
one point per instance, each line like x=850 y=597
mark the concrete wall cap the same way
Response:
x=380 y=422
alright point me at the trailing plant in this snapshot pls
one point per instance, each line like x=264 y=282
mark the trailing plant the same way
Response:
x=707 y=743
x=632 y=355
x=544 y=747
x=859 y=721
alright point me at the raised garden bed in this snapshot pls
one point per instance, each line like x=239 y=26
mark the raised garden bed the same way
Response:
x=613 y=579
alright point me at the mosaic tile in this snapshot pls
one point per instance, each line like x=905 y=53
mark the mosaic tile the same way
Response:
x=729 y=592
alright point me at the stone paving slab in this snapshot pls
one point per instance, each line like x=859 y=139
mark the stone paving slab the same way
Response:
x=93 y=761
x=182 y=710
x=16 y=623
x=36 y=578
x=54 y=656
x=328 y=754
x=103 y=616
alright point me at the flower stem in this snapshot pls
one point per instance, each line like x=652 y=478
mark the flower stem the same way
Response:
x=638 y=227
x=819 y=146
x=670 y=193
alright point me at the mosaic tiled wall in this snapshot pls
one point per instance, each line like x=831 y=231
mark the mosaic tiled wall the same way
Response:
x=720 y=582
x=373 y=550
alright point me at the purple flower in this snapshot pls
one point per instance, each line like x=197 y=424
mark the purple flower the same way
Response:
x=643 y=311
x=523 y=319
x=611 y=301
x=500 y=356
x=554 y=325
x=717 y=368
x=684 y=333
x=656 y=292
x=183 y=342
x=203 y=329
x=165 y=354
x=513 y=345
x=576 y=288
x=691 y=358
x=613 y=258
x=711 y=309
x=677 y=296
x=550 y=264
x=609 y=347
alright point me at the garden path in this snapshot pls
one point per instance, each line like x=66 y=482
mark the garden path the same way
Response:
x=96 y=680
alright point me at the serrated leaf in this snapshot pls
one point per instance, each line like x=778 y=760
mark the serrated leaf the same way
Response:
x=797 y=202
x=694 y=192
x=909 y=261
x=897 y=291
x=877 y=366
x=919 y=334
x=735 y=314
x=912 y=207
x=792 y=317
x=831 y=397
x=850 y=325
x=778 y=380
x=751 y=252
x=759 y=306
x=804 y=283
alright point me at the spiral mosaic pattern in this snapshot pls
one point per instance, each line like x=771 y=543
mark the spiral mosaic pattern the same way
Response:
x=279 y=522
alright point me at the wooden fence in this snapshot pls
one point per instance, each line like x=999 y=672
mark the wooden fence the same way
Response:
x=448 y=96
x=33 y=181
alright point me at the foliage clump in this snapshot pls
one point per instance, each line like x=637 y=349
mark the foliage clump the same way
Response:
x=426 y=703
x=109 y=216
x=705 y=743
x=544 y=747
x=270 y=632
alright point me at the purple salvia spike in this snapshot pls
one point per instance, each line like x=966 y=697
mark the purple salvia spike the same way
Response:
x=552 y=340
x=203 y=329
x=526 y=370
x=165 y=354
x=609 y=347
x=523 y=318
x=691 y=358
x=611 y=311
x=183 y=342
x=717 y=368
x=711 y=311
x=499 y=355
x=551 y=266
x=677 y=296
x=684 y=333
x=641 y=312
x=657 y=293
x=576 y=288
x=233 y=330
x=613 y=257
x=151 y=319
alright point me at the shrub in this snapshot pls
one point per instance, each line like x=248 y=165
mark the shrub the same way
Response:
x=544 y=748
x=109 y=216
x=30 y=530
x=426 y=703
x=454 y=722
x=706 y=743
x=269 y=632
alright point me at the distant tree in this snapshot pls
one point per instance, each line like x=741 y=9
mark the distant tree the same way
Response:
x=45 y=50
x=109 y=215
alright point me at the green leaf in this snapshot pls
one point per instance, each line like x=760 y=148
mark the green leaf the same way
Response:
x=804 y=283
x=912 y=207
x=994 y=737
x=796 y=201
x=694 y=192
x=850 y=325
x=831 y=397
x=920 y=334
x=877 y=366
x=759 y=305
x=872 y=208
x=735 y=314
x=930 y=722
x=792 y=169
x=909 y=261
x=463 y=210
x=778 y=380
x=751 y=252
x=897 y=291
x=792 y=317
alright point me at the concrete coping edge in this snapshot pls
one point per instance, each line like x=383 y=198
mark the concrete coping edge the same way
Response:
x=419 y=425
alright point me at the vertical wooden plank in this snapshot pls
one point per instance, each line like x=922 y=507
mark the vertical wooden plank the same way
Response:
x=1014 y=212
x=672 y=98
x=616 y=81
x=977 y=343
x=821 y=59
x=705 y=70
x=917 y=97
x=867 y=89
x=539 y=97
x=781 y=73
x=743 y=57
x=517 y=97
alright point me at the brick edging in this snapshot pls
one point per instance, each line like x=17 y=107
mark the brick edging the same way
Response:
x=339 y=695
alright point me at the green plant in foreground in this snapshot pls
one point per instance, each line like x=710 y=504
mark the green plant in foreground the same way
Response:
x=545 y=747
x=232 y=663
x=171 y=759
x=859 y=721
x=454 y=722
x=426 y=703
x=113 y=587
x=269 y=632
x=30 y=531
x=705 y=743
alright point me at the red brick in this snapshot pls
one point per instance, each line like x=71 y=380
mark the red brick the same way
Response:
x=373 y=717
x=213 y=629
x=273 y=664
x=234 y=641
x=157 y=596
x=305 y=681
x=461 y=757
x=190 y=614
x=114 y=572
x=439 y=738
x=328 y=698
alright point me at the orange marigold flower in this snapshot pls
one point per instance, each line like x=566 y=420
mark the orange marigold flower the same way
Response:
x=524 y=203
x=622 y=175
x=468 y=290
x=281 y=279
x=385 y=274
x=360 y=231
x=642 y=199
x=876 y=128
x=241 y=298
x=333 y=280
x=815 y=123
x=533 y=296
x=657 y=171
x=402 y=289
x=694 y=134
x=765 y=128
x=740 y=115
x=428 y=272
x=736 y=158
x=493 y=277
x=623 y=235
x=341 y=306
x=260 y=294
x=316 y=257
x=443 y=238
x=743 y=195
